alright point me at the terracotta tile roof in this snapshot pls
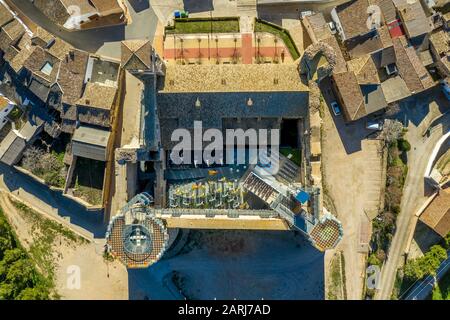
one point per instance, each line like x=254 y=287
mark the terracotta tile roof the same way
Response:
x=351 y=95
x=318 y=25
x=353 y=17
x=98 y=96
x=410 y=68
x=5 y=15
x=36 y=62
x=365 y=70
x=233 y=78
x=440 y=40
x=71 y=75
x=437 y=214
x=387 y=9
x=84 y=5
x=58 y=49
x=385 y=36
x=421 y=71
x=136 y=54
x=413 y=17
x=106 y=5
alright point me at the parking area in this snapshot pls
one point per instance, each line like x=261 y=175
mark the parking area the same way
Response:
x=353 y=178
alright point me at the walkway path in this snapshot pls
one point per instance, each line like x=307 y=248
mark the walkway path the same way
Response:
x=46 y=200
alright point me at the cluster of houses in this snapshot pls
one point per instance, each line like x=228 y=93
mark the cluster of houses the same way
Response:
x=71 y=92
x=386 y=51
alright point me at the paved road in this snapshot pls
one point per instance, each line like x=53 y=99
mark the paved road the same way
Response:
x=143 y=27
x=416 y=113
x=422 y=290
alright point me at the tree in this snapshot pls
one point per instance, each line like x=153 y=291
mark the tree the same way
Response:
x=447 y=241
x=6 y=291
x=437 y=294
x=404 y=145
x=413 y=270
x=21 y=275
x=6 y=237
x=36 y=293
x=426 y=265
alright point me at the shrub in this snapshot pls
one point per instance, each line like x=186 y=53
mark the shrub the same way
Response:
x=404 y=145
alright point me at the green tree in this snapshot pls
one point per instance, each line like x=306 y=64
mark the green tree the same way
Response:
x=433 y=258
x=6 y=291
x=447 y=241
x=21 y=274
x=39 y=292
x=404 y=145
x=436 y=294
x=413 y=270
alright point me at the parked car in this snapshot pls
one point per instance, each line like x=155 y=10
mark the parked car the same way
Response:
x=336 y=109
x=374 y=125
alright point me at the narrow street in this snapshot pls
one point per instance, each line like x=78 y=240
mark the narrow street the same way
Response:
x=143 y=27
x=419 y=112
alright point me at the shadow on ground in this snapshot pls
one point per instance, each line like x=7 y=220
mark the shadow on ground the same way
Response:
x=194 y=6
x=139 y=5
x=18 y=183
x=235 y=264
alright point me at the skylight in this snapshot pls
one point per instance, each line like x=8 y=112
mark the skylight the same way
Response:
x=47 y=68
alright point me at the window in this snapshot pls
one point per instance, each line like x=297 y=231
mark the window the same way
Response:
x=47 y=68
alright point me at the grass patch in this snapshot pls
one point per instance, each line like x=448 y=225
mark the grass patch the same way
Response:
x=283 y=34
x=18 y=117
x=295 y=154
x=88 y=177
x=336 y=287
x=200 y=25
x=48 y=166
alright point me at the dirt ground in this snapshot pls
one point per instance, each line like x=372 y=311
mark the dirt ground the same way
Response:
x=94 y=279
x=352 y=173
